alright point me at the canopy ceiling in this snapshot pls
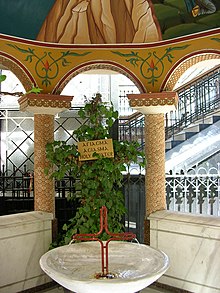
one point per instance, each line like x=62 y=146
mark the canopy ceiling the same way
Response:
x=36 y=19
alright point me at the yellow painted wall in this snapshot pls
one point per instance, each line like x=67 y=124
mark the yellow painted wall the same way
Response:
x=49 y=65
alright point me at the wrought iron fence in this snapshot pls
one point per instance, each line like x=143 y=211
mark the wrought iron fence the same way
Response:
x=16 y=182
x=134 y=192
x=17 y=195
x=194 y=191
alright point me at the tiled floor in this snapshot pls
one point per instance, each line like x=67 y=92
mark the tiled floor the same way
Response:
x=151 y=289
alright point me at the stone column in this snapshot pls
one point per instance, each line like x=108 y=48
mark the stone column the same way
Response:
x=155 y=169
x=154 y=106
x=43 y=187
x=44 y=107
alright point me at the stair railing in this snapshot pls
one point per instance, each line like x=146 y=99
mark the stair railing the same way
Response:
x=197 y=100
x=187 y=119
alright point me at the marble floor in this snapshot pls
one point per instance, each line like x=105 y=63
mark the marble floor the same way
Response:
x=151 y=289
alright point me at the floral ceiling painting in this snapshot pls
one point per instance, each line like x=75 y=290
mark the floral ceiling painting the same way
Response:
x=107 y=21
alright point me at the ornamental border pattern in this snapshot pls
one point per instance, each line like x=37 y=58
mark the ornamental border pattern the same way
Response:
x=45 y=103
x=152 y=102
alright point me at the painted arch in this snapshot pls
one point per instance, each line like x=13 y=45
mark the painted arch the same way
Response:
x=11 y=63
x=153 y=67
x=185 y=63
x=96 y=65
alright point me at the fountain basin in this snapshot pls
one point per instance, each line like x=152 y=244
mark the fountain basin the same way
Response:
x=75 y=266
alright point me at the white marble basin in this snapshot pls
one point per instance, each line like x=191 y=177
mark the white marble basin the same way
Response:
x=74 y=266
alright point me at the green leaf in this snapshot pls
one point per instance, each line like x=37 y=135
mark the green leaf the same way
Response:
x=68 y=53
x=2 y=77
x=67 y=240
x=21 y=50
x=177 y=48
x=216 y=39
x=125 y=55
x=34 y=90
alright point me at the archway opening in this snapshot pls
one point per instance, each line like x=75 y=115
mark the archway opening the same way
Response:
x=189 y=68
x=113 y=87
x=195 y=71
x=10 y=85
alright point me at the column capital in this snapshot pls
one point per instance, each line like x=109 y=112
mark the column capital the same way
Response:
x=44 y=103
x=154 y=103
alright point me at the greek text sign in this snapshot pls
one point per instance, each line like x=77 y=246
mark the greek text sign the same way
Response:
x=102 y=147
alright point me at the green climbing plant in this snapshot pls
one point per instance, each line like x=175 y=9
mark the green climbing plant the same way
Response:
x=97 y=181
x=2 y=77
x=33 y=90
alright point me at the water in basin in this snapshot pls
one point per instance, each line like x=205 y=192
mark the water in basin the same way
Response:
x=75 y=267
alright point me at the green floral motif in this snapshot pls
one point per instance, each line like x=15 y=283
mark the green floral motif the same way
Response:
x=216 y=39
x=151 y=66
x=46 y=66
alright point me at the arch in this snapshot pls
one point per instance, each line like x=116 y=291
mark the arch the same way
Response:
x=95 y=66
x=185 y=63
x=21 y=72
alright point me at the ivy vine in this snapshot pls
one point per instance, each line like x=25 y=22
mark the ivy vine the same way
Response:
x=97 y=182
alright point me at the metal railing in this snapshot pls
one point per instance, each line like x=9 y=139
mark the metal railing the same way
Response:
x=197 y=100
x=196 y=191
x=17 y=195
x=131 y=128
x=16 y=183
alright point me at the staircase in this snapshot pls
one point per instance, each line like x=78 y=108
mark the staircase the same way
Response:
x=191 y=130
x=195 y=125
x=196 y=144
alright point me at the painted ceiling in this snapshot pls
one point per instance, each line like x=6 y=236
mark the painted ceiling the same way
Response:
x=107 y=21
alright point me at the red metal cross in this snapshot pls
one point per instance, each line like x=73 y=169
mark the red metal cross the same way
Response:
x=104 y=246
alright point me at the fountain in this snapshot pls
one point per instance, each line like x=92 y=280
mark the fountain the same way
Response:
x=126 y=267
